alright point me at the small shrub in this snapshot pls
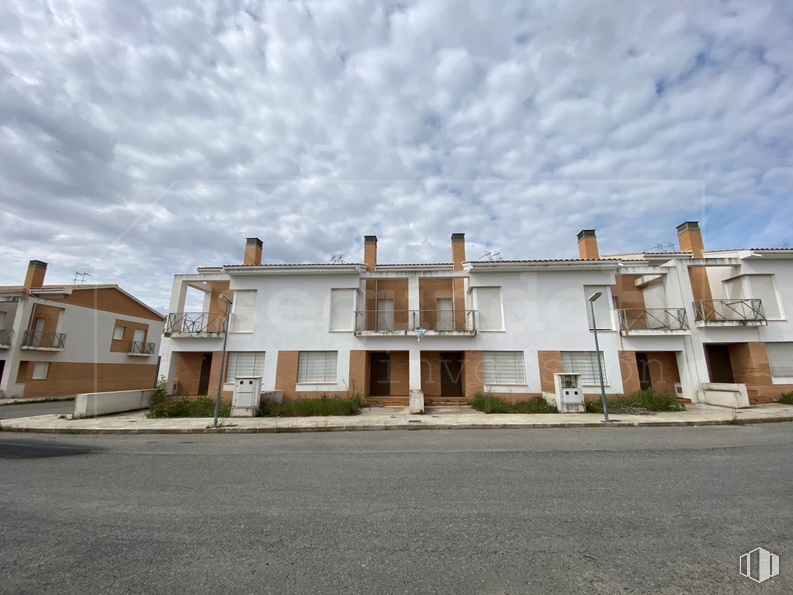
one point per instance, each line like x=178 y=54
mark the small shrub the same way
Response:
x=786 y=398
x=648 y=400
x=164 y=406
x=491 y=404
x=321 y=406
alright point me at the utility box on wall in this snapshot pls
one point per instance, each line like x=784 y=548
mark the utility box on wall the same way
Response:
x=247 y=393
x=569 y=393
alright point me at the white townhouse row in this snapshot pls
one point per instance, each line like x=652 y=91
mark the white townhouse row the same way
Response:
x=688 y=322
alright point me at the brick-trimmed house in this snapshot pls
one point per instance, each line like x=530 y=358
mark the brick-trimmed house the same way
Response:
x=671 y=320
x=68 y=339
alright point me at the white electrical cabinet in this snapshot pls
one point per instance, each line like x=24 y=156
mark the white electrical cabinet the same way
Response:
x=247 y=393
x=569 y=393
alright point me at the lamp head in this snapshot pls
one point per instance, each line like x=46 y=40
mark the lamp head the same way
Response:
x=595 y=296
x=226 y=298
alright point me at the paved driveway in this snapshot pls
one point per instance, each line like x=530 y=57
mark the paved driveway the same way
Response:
x=29 y=409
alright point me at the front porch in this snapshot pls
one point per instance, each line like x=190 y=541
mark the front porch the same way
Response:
x=391 y=375
x=658 y=370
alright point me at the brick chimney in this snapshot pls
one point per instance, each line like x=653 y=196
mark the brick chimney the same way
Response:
x=588 y=245
x=458 y=284
x=370 y=252
x=253 y=251
x=35 y=275
x=458 y=251
x=689 y=237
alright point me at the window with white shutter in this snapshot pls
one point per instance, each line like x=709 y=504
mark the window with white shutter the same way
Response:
x=602 y=307
x=317 y=367
x=341 y=306
x=780 y=358
x=243 y=311
x=503 y=367
x=245 y=363
x=584 y=363
x=763 y=288
x=41 y=370
x=489 y=307
x=734 y=288
x=118 y=333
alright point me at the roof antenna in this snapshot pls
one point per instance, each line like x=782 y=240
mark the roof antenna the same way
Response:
x=337 y=258
x=491 y=256
x=82 y=277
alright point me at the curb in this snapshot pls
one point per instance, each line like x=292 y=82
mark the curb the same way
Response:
x=401 y=426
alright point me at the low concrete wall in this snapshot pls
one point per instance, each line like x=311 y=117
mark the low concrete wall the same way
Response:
x=724 y=395
x=93 y=404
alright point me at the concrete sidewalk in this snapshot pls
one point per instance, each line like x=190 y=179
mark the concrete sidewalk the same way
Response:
x=394 y=418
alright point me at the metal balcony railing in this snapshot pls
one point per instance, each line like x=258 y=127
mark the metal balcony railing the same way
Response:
x=408 y=320
x=141 y=347
x=43 y=340
x=195 y=323
x=653 y=319
x=5 y=336
x=444 y=320
x=733 y=310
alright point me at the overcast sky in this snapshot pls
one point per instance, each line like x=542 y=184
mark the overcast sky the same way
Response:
x=141 y=139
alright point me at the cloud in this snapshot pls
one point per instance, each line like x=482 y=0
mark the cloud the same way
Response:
x=143 y=139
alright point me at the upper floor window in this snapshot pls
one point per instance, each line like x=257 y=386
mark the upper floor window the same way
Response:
x=488 y=303
x=757 y=287
x=118 y=333
x=602 y=307
x=243 y=311
x=341 y=309
x=763 y=288
x=317 y=367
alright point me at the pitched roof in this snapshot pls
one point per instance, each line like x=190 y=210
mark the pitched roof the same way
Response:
x=537 y=260
x=83 y=286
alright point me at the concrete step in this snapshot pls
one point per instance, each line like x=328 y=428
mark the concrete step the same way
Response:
x=445 y=401
x=386 y=401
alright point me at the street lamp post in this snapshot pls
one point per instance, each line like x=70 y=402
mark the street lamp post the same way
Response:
x=592 y=299
x=228 y=301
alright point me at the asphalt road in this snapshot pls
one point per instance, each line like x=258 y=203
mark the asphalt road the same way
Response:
x=602 y=510
x=29 y=409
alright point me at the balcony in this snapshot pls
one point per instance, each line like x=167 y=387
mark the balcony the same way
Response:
x=735 y=312
x=141 y=348
x=43 y=341
x=653 y=321
x=5 y=337
x=195 y=324
x=454 y=323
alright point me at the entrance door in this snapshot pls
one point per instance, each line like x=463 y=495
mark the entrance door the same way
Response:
x=379 y=374
x=385 y=315
x=206 y=368
x=443 y=308
x=2 y=367
x=643 y=364
x=451 y=374
x=719 y=364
